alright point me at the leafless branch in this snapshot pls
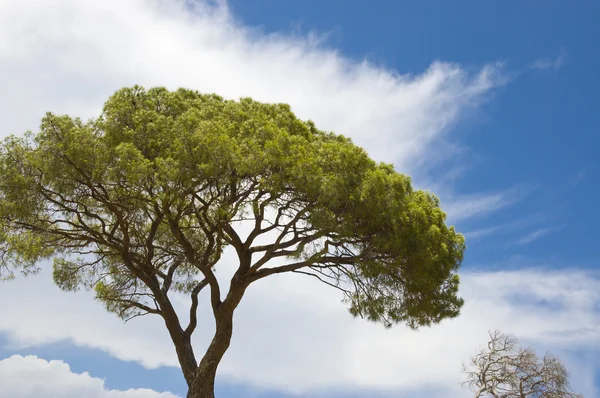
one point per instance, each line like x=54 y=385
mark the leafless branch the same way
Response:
x=506 y=370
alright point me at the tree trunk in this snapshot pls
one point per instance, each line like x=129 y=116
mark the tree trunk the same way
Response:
x=203 y=385
x=181 y=340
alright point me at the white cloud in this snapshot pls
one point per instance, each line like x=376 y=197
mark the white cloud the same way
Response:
x=293 y=334
x=69 y=56
x=33 y=377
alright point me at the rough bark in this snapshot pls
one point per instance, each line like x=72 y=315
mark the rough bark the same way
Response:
x=181 y=340
x=203 y=385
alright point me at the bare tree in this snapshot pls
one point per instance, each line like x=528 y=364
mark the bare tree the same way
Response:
x=504 y=369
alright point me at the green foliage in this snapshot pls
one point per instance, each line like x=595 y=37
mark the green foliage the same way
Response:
x=143 y=199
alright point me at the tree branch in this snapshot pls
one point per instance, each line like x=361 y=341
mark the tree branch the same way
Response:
x=194 y=307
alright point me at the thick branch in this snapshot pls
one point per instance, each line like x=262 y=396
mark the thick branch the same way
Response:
x=190 y=253
x=194 y=307
x=326 y=261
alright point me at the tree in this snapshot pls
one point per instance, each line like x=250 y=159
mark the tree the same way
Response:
x=141 y=202
x=506 y=370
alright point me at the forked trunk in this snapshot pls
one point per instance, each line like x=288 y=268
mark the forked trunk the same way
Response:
x=203 y=385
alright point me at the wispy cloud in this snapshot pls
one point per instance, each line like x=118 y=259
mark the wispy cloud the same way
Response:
x=481 y=233
x=537 y=234
x=462 y=207
x=549 y=63
x=466 y=206
x=507 y=227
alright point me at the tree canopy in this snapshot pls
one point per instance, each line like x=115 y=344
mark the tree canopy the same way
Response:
x=142 y=201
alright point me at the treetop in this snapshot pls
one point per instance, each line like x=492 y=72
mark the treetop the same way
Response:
x=146 y=197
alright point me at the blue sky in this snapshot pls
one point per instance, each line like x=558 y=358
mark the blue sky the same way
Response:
x=493 y=106
x=541 y=130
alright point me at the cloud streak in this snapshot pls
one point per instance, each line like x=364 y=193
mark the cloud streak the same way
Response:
x=537 y=234
x=507 y=227
x=482 y=232
x=547 y=63
x=462 y=207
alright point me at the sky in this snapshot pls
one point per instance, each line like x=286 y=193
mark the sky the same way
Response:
x=493 y=106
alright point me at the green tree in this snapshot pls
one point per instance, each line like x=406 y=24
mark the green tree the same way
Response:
x=141 y=202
